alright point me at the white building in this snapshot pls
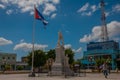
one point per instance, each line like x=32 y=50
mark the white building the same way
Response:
x=7 y=59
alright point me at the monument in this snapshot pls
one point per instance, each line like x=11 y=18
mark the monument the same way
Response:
x=60 y=66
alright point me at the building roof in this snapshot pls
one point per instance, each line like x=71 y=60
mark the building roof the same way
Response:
x=3 y=53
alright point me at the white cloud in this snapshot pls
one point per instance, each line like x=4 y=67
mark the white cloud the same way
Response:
x=84 y=7
x=2 y=6
x=4 y=41
x=93 y=8
x=96 y=32
x=22 y=40
x=28 y=46
x=107 y=14
x=56 y=1
x=114 y=29
x=67 y=46
x=4 y=1
x=9 y=12
x=78 y=50
x=87 y=9
x=49 y=8
x=113 y=32
x=86 y=13
x=85 y=39
x=73 y=50
x=53 y=15
x=28 y=5
x=116 y=8
x=26 y=9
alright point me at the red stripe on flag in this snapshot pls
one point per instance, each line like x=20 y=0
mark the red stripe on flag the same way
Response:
x=36 y=15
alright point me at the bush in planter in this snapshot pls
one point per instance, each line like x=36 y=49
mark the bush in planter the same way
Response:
x=7 y=67
x=19 y=67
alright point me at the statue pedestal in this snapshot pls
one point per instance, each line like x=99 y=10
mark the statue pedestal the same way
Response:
x=57 y=67
x=56 y=70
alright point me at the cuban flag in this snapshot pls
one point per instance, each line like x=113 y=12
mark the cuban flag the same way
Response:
x=38 y=15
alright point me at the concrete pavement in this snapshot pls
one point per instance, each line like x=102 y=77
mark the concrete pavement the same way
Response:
x=89 y=76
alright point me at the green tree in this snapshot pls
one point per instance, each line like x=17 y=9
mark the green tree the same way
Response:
x=39 y=58
x=99 y=61
x=51 y=54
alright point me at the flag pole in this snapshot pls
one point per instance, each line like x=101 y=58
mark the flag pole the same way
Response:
x=32 y=74
x=33 y=37
x=37 y=15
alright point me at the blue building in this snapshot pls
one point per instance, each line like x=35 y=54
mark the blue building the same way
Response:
x=107 y=50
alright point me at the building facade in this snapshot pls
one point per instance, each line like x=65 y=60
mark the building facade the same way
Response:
x=23 y=64
x=107 y=50
x=8 y=61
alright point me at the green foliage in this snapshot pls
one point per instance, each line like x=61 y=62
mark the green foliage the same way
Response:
x=51 y=54
x=99 y=61
x=39 y=58
x=7 y=67
x=19 y=68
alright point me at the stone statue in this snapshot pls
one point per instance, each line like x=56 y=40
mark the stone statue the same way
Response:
x=61 y=65
x=60 y=38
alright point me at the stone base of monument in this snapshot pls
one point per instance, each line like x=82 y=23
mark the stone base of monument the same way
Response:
x=56 y=70
x=68 y=72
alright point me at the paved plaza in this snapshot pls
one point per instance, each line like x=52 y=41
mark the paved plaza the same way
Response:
x=89 y=76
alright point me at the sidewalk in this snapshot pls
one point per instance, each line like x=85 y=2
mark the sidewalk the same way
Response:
x=112 y=71
x=89 y=76
x=27 y=71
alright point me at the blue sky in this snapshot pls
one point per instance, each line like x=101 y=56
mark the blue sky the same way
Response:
x=78 y=20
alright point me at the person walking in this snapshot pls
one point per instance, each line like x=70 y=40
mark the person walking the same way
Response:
x=105 y=69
